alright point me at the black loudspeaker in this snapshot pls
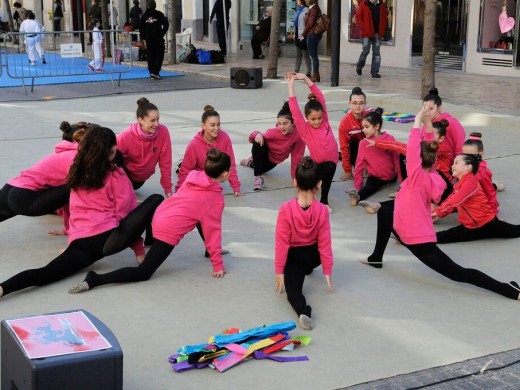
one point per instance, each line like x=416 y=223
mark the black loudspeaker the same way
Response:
x=246 y=78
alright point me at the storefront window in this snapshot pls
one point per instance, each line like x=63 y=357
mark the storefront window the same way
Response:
x=497 y=25
x=355 y=32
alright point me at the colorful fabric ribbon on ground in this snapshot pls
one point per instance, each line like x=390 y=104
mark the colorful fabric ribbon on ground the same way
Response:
x=392 y=116
x=233 y=346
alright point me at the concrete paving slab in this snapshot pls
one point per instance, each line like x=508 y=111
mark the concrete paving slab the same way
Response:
x=378 y=323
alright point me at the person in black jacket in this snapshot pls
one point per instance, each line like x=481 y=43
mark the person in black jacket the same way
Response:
x=218 y=12
x=154 y=26
x=262 y=33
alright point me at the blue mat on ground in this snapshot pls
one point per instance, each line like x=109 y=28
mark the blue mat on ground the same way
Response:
x=60 y=70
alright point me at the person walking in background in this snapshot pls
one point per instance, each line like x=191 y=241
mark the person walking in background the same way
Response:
x=312 y=39
x=94 y=12
x=154 y=26
x=33 y=38
x=302 y=241
x=135 y=18
x=98 y=47
x=57 y=15
x=19 y=15
x=262 y=33
x=301 y=44
x=222 y=29
x=372 y=19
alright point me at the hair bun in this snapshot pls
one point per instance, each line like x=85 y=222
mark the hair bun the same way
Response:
x=433 y=146
x=65 y=126
x=379 y=110
x=285 y=106
x=444 y=122
x=357 y=91
x=434 y=91
x=213 y=155
x=207 y=108
x=312 y=96
x=143 y=100
x=475 y=135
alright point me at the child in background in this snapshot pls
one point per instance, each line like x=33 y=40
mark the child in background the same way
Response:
x=382 y=166
x=98 y=47
x=474 y=145
x=104 y=216
x=351 y=131
x=477 y=217
x=302 y=241
x=198 y=201
x=210 y=137
x=33 y=38
x=143 y=145
x=315 y=130
x=273 y=147
x=409 y=218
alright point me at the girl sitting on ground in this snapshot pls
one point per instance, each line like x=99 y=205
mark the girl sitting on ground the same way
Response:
x=198 y=201
x=316 y=132
x=273 y=147
x=302 y=241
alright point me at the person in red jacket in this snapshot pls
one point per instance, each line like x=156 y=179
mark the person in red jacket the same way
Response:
x=351 y=131
x=477 y=217
x=198 y=201
x=302 y=241
x=274 y=146
x=372 y=19
x=409 y=218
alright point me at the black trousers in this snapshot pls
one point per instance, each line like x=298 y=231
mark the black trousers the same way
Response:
x=155 y=56
x=261 y=162
x=493 y=229
x=221 y=36
x=327 y=170
x=301 y=260
x=20 y=201
x=372 y=185
x=83 y=252
x=430 y=255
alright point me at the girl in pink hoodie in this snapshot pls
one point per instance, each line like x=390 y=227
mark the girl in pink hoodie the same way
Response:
x=41 y=189
x=145 y=144
x=303 y=241
x=274 y=146
x=382 y=165
x=104 y=218
x=411 y=222
x=316 y=132
x=198 y=201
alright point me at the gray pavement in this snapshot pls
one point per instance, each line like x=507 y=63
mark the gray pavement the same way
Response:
x=378 y=323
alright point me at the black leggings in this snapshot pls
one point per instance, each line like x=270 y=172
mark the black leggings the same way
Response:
x=301 y=260
x=20 y=201
x=327 y=170
x=261 y=162
x=372 y=185
x=159 y=251
x=430 y=255
x=493 y=229
x=83 y=252
x=119 y=160
x=449 y=187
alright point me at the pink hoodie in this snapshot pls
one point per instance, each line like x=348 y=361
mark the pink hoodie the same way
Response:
x=195 y=157
x=51 y=171
x=412 y=213
x=142 y=152
x=298 y=227
x=199 y=199
x=455 y=134
x=280 y=146
x=321 y=142
x=383 y=164
x=97 y=211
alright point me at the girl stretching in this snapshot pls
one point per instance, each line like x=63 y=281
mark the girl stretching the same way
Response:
x=41 y=189
x=104 y=218
x=303 y=241
x=315 y=130
x=145 y=144
x=410 y=220
x=382 y=166
x=273 y=147
x=199 y=200
x=477 y=217
x=351 y=131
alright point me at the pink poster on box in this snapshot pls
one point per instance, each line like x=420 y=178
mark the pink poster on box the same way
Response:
x=57 y=334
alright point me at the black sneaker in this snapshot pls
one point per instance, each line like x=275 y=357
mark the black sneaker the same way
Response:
x=376 y=76
x=43 y=60
x=359 y=72
x=155 y=76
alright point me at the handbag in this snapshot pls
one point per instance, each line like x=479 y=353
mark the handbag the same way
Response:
x=322 y=24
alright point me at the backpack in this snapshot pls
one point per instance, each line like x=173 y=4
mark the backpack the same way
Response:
x=204 y=56
x=322 y=24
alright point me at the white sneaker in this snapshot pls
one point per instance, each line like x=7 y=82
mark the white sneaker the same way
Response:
x=258 y=183
x=500 y=187
x=306 y=322
x=247 y=162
